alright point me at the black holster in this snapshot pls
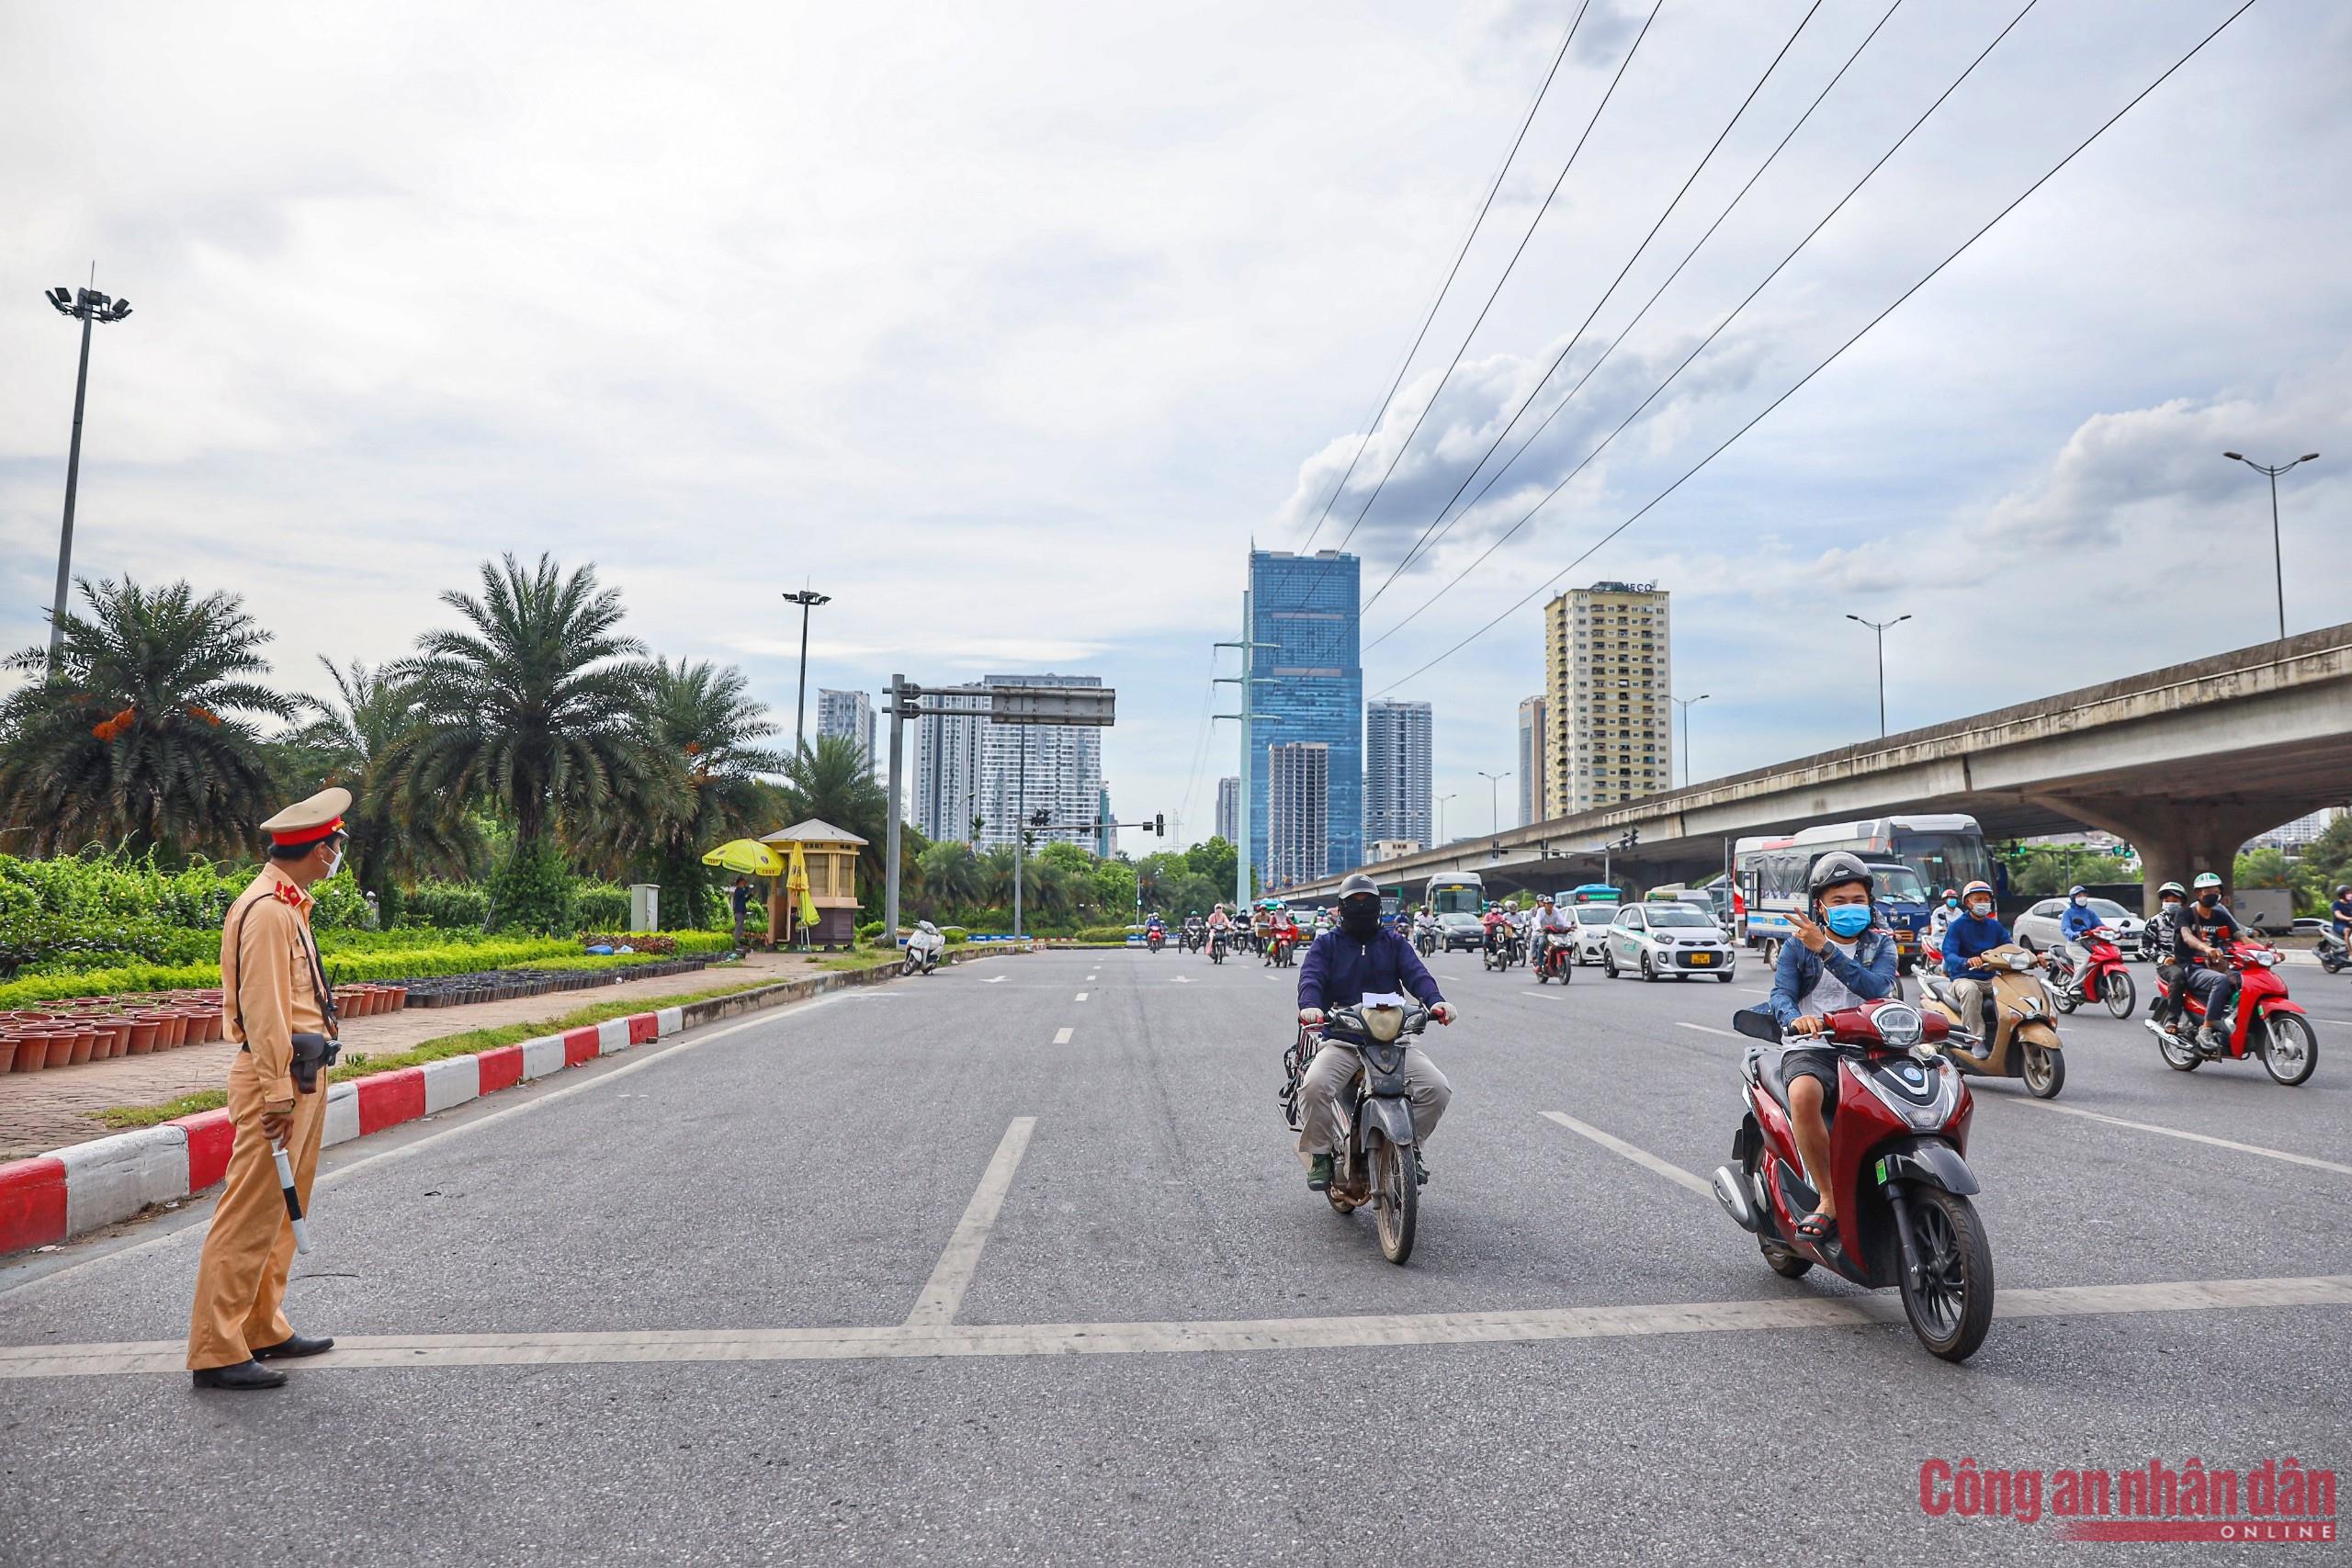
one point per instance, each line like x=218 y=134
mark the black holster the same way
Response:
x=311 y=1052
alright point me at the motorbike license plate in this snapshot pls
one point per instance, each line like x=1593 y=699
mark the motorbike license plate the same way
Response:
x=1698 y=959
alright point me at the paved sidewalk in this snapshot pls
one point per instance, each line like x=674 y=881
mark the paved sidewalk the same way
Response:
x=45 y=1110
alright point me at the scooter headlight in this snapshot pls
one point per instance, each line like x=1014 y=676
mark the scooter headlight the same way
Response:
x=1383 y=1024
x=1899 y=1024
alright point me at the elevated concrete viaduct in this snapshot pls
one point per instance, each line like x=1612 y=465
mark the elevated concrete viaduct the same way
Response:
x=2185 y=763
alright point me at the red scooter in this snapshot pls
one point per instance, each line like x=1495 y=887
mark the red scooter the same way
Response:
x=2104 y=978
x=1898 y=1143
x=2261 y=1020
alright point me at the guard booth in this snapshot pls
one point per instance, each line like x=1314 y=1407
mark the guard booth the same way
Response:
x=830 y=855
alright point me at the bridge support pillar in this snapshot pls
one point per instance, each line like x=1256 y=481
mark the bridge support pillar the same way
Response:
x=2177 y=839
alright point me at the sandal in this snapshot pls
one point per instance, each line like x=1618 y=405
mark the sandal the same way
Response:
x=1817 y=1226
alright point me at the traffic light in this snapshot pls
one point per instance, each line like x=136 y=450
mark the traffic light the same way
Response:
x=1159 y=823
x=1040 y=816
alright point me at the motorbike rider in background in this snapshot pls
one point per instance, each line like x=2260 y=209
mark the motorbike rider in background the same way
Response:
x=1552 y=925
x=2206 y=930
x=1845 y=959
x=1946 y=911
x=1361 y=956
x=1220 y=925
x=1494 y=923
x=2163 y=936
x=2340 y=913
x=1976 y=933
x=2079 y=920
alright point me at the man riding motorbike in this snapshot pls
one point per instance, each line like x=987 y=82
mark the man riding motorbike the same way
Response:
x=1552 y=925
x=2340 y=914
x=1947 y=910
x=1844 y=960
x=1494 y=926
x=2206 y=930
x=1976 y=931
x=1280 y=927
x=2078 y=921
x=2163 y=935
x=1360 y=957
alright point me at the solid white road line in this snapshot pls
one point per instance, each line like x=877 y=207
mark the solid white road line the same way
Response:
x=1061 y=1036
x=1643 y=1158
x=2193 y=1137
x=943 y=1291
x=1708 y=1029
x=936 y=1340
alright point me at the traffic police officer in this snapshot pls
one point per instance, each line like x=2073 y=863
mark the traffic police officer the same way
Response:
x=276 y=991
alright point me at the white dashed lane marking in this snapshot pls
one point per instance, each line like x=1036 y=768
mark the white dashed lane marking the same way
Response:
x=1061 y=1036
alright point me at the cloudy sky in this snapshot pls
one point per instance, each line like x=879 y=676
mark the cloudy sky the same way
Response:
x=1012 y=326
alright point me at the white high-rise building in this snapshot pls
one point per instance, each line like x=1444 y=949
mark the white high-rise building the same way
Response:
x=1396 y=745
x=2301 y=832
x=948 y=761
x=1534 y=759
x=1299 y=812
x=1229 y=808
x=849 y=714
x=1029 y=768
x=1607 y=651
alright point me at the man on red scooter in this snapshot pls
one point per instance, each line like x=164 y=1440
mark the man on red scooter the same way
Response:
x=2207 y=927
x=1846 y=959
x=2163 y=936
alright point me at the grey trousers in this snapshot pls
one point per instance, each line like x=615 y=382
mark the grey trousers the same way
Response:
x=1328 y=1077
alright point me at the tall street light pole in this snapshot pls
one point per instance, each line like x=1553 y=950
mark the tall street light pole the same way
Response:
x=1441 y=818
x=808 y=599
x=1879 y=628
x=89 y=307
x=2278 y=557
x=1494 y=798
x=1685 y=703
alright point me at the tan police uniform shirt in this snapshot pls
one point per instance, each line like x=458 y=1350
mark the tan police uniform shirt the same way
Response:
x=270 y=978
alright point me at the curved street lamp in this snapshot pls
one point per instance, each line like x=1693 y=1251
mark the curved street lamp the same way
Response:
x=2278 y=558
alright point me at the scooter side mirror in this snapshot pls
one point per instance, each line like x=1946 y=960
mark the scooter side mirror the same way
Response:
x=1757 y=1024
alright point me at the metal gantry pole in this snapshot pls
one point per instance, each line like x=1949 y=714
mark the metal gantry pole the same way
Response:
x=890 y=852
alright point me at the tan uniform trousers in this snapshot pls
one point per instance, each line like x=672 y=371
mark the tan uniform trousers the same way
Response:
x=1328 y=1077
x=241 y=1280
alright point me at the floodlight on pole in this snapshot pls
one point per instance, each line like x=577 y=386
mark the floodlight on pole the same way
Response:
x=808 y=599
x=88 y=307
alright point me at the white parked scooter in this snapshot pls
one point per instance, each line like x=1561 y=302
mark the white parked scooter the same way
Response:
x=924 y=948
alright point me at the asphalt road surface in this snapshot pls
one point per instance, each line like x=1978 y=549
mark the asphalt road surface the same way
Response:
x=1016 y=1263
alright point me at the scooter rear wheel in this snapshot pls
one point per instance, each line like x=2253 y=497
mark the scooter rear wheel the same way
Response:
x=1783 y=1262
x=2180 y=1058
x=1952 y=1310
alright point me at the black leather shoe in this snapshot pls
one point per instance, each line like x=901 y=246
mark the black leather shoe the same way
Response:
x=243 y=1375
x=294 y=1345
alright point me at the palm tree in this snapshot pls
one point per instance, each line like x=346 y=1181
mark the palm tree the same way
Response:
x=951 y=875
x=832 y=781
x=349 y=741
x=135 y=736
x=701 y=737
x=533 y=709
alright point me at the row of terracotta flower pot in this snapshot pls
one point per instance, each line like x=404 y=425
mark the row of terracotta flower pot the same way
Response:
x=92 y=1029
x=367 y=1001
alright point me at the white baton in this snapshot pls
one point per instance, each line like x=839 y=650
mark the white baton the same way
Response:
x=293 y=1200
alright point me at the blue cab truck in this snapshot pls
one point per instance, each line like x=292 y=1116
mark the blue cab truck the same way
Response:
x=1906 y=903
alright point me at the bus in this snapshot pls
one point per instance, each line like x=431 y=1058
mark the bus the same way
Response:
x=1455 y=893
x=1912 y=859
x=1587 y=893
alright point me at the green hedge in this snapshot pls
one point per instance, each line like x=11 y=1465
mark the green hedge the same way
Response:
x=1100 y=933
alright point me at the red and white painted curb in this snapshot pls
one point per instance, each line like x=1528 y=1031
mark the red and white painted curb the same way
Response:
x=80 y=1188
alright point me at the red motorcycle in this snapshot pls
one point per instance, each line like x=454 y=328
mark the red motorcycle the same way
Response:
x=2104 y=978
x=1559 y=950
x=1897 y=1147
x=2261 y=1020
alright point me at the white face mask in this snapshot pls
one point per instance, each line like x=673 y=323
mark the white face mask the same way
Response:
x=1980 y=908
x=335 y=864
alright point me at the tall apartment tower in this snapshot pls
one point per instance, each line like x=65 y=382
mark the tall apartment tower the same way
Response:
x=1299 y=829
x=948 y=761
x=1229 y=808
x=1607 y=648
x=1534 y=758
x=849 y=714
x=968 y=768
x=1397 y=771
x=1303 y=612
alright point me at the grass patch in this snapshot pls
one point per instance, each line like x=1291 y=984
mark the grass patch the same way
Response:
x=358 y=1064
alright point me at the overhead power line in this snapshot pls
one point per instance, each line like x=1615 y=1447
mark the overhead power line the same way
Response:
x=1659 y=391
x=1929 y=276
x=1386 y=398
x=1439 y=392
x=1638 y=316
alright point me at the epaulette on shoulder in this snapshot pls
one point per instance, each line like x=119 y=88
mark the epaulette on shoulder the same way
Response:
x=290 y=895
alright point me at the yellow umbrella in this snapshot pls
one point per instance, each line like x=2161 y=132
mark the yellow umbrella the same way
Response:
x=747 y=856
x=796 y=883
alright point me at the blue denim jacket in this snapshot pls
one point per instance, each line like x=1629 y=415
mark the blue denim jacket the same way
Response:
x=1869 y=974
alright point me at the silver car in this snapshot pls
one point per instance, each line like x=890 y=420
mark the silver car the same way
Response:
x=1592 y=932
x=1662 y=939
x=2039 y=929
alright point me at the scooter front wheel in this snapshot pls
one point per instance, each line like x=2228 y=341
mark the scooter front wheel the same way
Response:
x=1396 y=1198
x=2045 y=1072
x=2122 y=997
x=1950 y=1303
x=2289 y=1049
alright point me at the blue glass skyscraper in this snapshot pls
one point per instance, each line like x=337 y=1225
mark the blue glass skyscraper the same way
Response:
x=1312 y=685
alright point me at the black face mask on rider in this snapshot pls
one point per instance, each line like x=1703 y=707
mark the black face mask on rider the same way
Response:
x=1360 y=917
